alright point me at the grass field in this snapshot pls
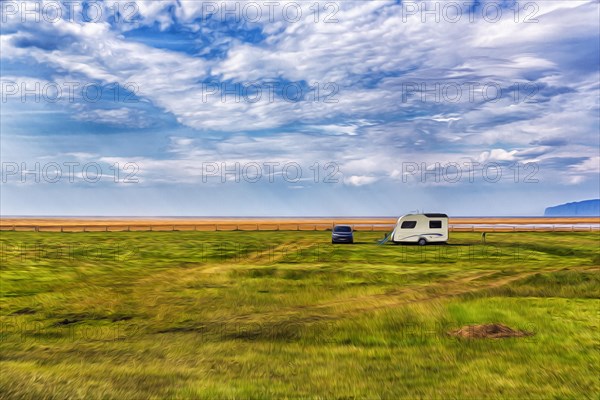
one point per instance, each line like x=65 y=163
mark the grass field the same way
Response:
x=131 y=315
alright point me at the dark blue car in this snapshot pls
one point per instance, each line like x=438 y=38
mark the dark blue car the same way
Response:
x=342 y=234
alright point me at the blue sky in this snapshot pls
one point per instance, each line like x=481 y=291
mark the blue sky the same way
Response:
x=256 y=108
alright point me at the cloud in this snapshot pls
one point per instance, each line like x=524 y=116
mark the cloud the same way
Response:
x=589 y=165
x=356 y=180
x=372 y=53
x=576 y=179
x=380 y=88
x=497 y=155
x=118 y=117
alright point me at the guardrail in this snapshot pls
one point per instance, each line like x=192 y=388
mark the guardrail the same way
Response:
x=286 y=227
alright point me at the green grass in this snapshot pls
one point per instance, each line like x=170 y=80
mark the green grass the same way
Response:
x=130 y=315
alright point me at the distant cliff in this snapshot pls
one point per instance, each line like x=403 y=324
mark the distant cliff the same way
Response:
x=587 y=208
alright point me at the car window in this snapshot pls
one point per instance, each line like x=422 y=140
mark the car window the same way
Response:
x=408 y=224
x=435 y=224
x=342 y=229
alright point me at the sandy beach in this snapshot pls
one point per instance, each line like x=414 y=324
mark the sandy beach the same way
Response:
x=280 y=223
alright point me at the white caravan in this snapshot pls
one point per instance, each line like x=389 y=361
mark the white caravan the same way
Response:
x=421 y=229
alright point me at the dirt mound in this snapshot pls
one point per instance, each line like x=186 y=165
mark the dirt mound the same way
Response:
x=488 y=331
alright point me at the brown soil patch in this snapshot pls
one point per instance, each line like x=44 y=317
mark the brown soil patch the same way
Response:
x=488 y=331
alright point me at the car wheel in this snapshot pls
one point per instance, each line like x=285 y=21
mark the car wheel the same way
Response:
x=422 y=242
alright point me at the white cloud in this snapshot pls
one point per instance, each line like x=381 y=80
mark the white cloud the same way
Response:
x=116 y=117
x=497 y=155
x=589 y=166
x=356 y=180
x=372 y=53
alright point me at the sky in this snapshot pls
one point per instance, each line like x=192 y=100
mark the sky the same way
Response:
x=306 y=108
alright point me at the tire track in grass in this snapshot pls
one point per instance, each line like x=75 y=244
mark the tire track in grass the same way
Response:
x=455 y=291
x=376 y=302
x=268 y=256
x=154 y=284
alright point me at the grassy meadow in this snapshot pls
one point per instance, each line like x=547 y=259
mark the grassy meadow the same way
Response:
x=133 y=315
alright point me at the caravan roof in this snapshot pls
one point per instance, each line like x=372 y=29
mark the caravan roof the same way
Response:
x=429 y=215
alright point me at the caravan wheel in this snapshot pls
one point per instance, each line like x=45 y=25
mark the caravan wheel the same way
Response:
x=422 y=242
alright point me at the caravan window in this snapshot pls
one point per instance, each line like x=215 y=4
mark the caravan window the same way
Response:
x=408 y=225
x=435 y=224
